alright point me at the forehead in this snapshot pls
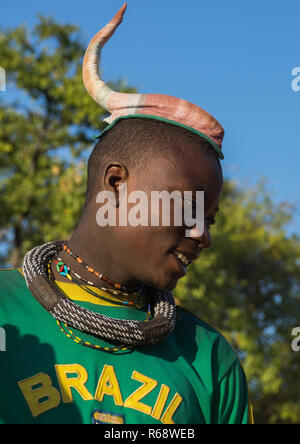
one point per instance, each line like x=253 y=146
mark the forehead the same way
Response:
x=190 y=169
x=190 y=165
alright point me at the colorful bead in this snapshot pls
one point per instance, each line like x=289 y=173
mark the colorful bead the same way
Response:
x=65 y=271
x=99 y=275
x=69 y=333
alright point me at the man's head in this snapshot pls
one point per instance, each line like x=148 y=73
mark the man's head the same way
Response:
x=160 y=144
x=147 y=156
x=137 y=142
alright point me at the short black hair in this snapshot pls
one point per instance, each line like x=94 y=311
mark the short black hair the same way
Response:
x=135 y=142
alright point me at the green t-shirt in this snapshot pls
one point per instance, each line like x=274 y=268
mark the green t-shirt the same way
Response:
x=192 y=377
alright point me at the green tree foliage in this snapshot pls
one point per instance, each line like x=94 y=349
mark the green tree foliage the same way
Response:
x=45 y=135
x=246 y=284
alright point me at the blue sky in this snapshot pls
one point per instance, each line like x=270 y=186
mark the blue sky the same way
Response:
x=233 y=58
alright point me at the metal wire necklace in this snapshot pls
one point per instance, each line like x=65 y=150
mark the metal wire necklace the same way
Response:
x=64 y=328
x=131 y=333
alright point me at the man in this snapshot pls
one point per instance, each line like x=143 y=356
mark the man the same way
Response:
x=93 y=333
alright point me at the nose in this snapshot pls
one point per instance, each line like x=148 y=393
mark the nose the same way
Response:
x=204 y=239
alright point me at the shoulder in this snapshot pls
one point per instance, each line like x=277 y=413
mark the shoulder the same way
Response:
x=7 y=270
x=194 y=321
x=10 y=273
x=218 y=368
x=211 y=343
x=11 y=281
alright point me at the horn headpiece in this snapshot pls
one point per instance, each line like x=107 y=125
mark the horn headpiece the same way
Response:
x=155 y=106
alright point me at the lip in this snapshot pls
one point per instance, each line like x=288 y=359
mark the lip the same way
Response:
x=190 y=256
x=182 y=269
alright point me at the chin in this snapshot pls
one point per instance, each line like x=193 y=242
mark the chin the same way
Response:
x=167 y=285
x=165 y=281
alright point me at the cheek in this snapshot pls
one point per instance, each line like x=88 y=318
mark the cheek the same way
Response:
x=150 y=245
x=151 y=261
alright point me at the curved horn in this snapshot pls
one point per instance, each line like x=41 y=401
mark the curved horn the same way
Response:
x=171 y=109
x=96 y=87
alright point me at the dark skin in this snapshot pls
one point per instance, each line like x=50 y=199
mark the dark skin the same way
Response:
x=131 y=255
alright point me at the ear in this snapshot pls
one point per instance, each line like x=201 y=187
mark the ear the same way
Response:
x=116 y=173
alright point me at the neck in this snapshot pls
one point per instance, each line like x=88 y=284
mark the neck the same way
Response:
x=95 y=249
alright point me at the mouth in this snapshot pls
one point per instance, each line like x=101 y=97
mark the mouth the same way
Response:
x=182 y=262
x=182 y=258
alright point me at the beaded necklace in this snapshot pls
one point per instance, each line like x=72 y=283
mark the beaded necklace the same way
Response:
x=65 y=271
x=68 y=332
x=96 y=273
x=132 y=333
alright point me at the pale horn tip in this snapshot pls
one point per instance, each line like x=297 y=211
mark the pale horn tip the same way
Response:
x=119 y=15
